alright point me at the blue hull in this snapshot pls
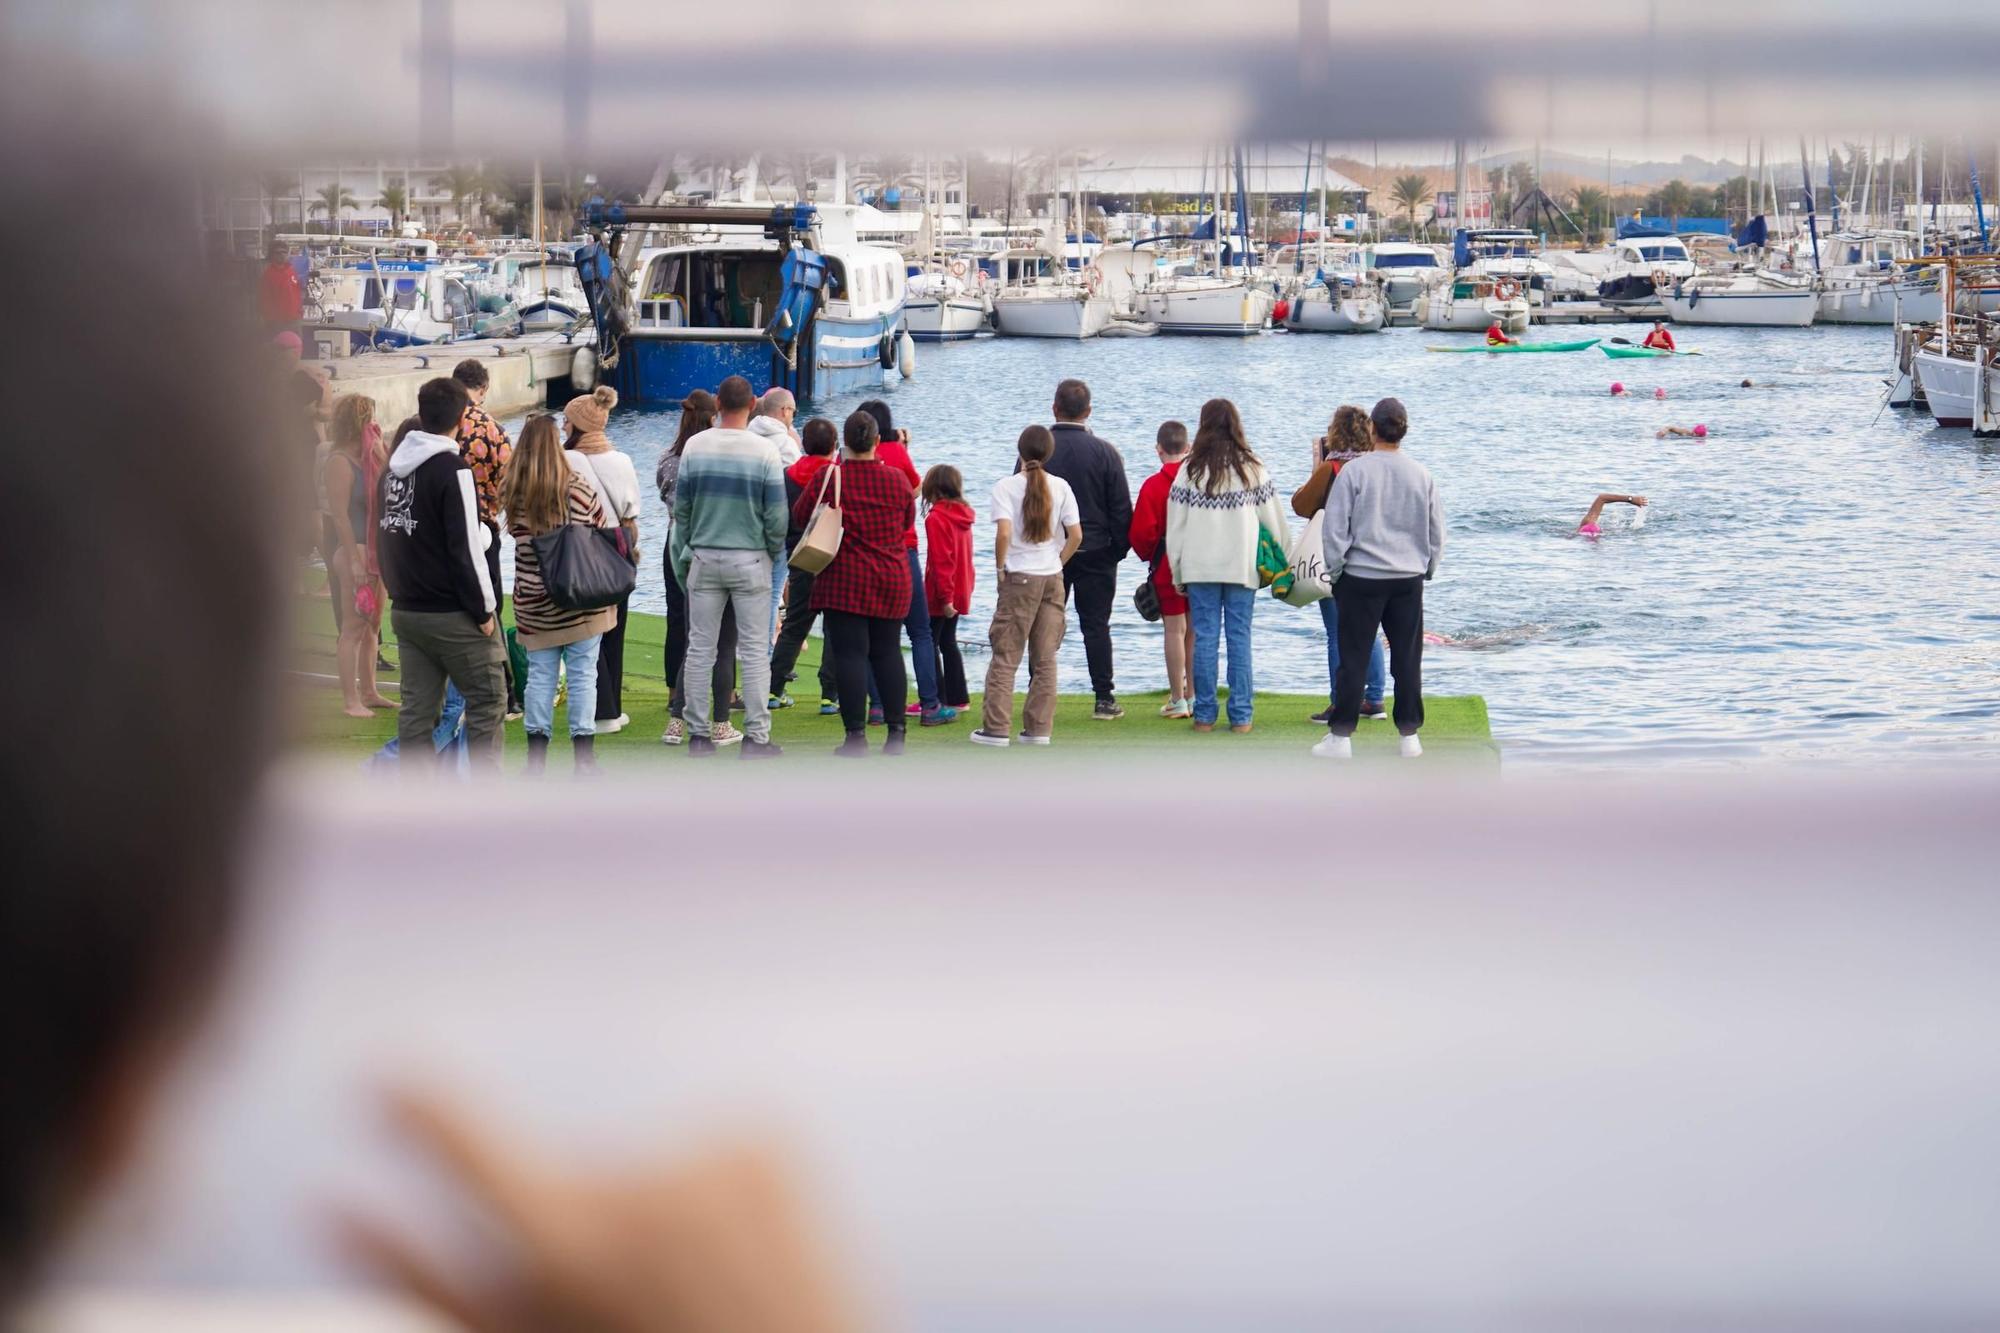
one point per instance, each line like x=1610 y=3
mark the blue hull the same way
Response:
x=837 y=356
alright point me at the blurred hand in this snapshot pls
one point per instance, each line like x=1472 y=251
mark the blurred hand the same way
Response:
x=713 y=1244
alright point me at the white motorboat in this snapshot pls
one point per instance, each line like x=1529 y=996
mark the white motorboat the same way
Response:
x=943 y=307
x=1958 y=372
x=1753 y=299
x=1335 y=306
x=1861 y=281
x=1631 y=270
x=1404 y=274
x=1206 y=304
x=1060 y=307
x=1472 y=304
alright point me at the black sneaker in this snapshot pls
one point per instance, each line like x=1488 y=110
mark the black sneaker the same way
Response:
x=700 y=747
x=761 y=749
x=893 y=743
x=1374 y=709
x=1324 y=715
x=1107 y=710
x=854 y=747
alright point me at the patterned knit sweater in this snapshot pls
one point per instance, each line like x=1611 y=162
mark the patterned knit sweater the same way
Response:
x=539 y=622
x=1212 y=528
x=729 y=495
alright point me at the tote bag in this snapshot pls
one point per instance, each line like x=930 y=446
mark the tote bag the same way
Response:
x=584 y=568
x=1309 y=581
x=821 y=541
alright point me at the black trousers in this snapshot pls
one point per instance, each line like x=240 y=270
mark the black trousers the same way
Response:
x=1396 y=607
x=611 y=668
x=724 y=679
x=859 y=645
x=951 y=666
x=514 y=687
x=797 y=623
x=1091 y=580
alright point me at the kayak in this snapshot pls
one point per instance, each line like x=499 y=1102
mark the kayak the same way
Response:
x=1522 y=347
x=1628 y=352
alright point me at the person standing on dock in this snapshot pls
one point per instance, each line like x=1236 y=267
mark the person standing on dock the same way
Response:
x=618 y=483
x=1384 y=532
x=435 y=570
x=1149 y=543
x=485 y=449
x=280 y=300
x=1096 y=476
x=773 y=420
x=1347 y=438
x=729 y=526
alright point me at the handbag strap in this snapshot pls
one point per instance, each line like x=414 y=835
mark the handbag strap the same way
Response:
x=829 y=476
x=596 y=484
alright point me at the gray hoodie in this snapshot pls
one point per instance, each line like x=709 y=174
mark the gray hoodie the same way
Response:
x=1383 y=519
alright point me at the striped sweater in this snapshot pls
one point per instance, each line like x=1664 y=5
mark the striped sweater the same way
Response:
x=539 y=622
x=728 y=496
x=1212 y=533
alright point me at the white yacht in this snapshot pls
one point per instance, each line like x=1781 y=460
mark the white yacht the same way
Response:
x=1471 y=304
x=1863 y=279
x=1631 y=270
x=1955 y=363
x=1335 y=304
x=948 y=304
x=1206 y=303
x=1756 y=298
x=1404 y=274
x=1037 y=297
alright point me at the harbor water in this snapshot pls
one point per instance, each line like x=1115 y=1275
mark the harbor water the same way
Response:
x=1812 y=580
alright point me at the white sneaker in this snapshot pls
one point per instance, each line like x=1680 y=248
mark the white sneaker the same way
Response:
x=1334 y=747
x=984 y=737
x=611 y=726
x=1026 y=739
x=724 y=734
x=1412 y=747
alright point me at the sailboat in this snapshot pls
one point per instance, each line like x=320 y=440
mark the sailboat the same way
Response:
x=1057 y=303
x=1221 y=301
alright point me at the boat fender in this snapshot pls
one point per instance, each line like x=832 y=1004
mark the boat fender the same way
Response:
x=1281 y=311
x=885 y=351
x=583 y=370
x=1661 y=278
x=906 y=355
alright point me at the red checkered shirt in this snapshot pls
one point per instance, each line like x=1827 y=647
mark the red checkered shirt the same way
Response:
x=871 y=574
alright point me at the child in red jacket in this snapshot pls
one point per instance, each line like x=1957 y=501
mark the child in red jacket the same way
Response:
x=948 y=523
x=1149 y=542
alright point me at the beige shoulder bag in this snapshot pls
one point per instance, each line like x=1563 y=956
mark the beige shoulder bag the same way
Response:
x=821 y=542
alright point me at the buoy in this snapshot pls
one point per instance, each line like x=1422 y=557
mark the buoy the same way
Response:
x=583 y=370
x=906 y=355
x=1660 y=393
x=1281 y=311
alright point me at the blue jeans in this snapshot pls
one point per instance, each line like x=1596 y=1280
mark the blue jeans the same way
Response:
x=780 y=570
x=1378 y=675
x=538 y=702
x=923 y=651
x=1221 y=612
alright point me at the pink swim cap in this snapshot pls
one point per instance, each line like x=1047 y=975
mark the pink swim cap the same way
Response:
x=289 y=341
x=1659 y=393
x=1588 y=530
x=1617 y=387
x=1700 y=432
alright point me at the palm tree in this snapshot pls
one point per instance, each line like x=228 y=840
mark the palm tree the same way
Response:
x=333 y=200
x=1410 y=193
x=396 y=199
x=461 y=183
x=277 y=185
x=1589 y=204
x=1676 y=199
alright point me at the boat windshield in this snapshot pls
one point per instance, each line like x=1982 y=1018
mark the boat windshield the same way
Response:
x=1419 y=260
x=1669 y=252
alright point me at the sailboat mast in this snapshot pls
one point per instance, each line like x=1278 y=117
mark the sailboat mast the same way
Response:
x=1323 y=149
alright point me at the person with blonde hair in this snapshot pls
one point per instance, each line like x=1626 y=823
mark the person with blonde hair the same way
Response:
x=1036 y=529
x=543 y=492
x=1220 y=504
x=618 y=487
x=353 y=462
x=1346 y=439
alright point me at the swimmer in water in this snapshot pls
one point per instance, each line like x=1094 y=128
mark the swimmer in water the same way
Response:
x=1695 y=432
x=1589 y=528
x=1618 y=389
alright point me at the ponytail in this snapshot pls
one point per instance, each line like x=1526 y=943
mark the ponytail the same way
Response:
x=1035 y=446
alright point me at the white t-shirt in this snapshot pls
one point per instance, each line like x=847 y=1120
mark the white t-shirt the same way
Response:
x=1024 y=556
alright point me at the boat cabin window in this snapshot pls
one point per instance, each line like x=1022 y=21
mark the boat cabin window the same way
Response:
x=1406 y=261
x=711 y=289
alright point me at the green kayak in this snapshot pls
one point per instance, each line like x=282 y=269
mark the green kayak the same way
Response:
x=1521 y=347
x=1628 y=352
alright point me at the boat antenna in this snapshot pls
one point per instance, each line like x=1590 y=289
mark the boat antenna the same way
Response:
x=1812 y=221
x=1299 y=241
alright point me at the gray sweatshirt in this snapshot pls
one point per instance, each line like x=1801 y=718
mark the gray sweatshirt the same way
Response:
x=1383 y=519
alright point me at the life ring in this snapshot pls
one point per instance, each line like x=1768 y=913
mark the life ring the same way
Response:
x=1506 y=289
x=1662 y=278
x=958 y=268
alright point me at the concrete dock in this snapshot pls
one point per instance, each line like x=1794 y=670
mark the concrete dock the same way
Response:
x=1596 y=312
x=523 y=372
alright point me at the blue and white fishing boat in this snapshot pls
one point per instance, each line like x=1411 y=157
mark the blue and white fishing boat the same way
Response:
x=785 y=297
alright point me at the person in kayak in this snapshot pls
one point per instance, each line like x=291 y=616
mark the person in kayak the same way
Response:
x=1497 y=336
x=1589 y=528
x=1659 y=339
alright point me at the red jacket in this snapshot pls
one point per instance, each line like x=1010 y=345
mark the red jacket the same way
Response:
x=279 y=300
x=897 y=455
x=948 y=575
x=1149 y=521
